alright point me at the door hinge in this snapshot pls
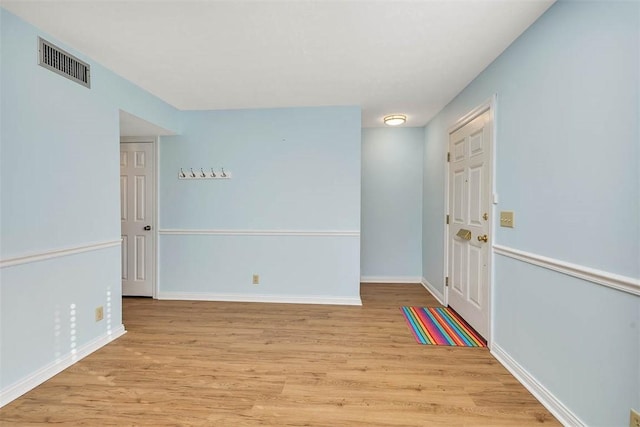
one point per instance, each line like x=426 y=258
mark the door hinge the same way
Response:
x=446 y=281
x=447 y=218
x=448 y=157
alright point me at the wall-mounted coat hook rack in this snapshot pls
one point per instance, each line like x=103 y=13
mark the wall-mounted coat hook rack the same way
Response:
x=222 y=174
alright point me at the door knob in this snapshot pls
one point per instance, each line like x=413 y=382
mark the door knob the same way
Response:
x=147 y=227
x=483 y=238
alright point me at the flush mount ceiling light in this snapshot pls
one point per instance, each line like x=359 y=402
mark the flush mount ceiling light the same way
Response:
x=394 y=119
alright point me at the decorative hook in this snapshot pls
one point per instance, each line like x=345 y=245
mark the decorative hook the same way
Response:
x=224 y=175
x=202 y=174
x=182 y=175
x=193 y=175
x=213 y=174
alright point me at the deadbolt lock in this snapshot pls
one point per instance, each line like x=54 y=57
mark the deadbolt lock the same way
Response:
x=483 y=238
x=485 y=216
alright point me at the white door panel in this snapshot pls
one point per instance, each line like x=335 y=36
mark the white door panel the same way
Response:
x=476 y=205
x=458 y=267
x=124 y=209
x=459 y=150
x=469 y=208
x=458 y=209
x=475 y=275
x=136 y=207
x=125 y=258
x=140 y=199
x=476 y=143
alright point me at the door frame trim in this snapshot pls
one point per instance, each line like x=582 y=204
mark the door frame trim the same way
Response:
x=491 y=106
x=153 y=140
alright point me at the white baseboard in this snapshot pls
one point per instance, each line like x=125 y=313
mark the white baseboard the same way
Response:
x=30 y=382
x=540 y=392
x=390 y=279
x=287 y=299
x=436 y=293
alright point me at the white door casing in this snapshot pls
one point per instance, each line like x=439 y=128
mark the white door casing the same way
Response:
x=137 y=218
x=470 y=190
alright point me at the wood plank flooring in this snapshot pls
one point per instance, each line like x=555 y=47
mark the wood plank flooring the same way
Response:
x=250 y=364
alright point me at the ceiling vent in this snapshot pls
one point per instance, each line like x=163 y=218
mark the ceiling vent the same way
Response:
x=63 y=63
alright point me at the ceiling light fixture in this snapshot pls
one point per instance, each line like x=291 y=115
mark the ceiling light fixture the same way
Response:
x=394 y=119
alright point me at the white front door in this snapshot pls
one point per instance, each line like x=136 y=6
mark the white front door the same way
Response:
x=136 y=213
x=469 y=236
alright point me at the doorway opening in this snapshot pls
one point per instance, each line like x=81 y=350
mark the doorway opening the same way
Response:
x=139 y=204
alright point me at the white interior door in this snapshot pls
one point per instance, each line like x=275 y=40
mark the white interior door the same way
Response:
x=136 y=212
x=469 y=211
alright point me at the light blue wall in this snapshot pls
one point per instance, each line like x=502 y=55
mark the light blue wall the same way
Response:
x=392 y=160
x=433 y=212
x=52 y=132
x=293 y=170
x=47 y=310
x=567 y=162
x=59 y=189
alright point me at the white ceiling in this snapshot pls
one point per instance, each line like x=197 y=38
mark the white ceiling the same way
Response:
x=409 y=57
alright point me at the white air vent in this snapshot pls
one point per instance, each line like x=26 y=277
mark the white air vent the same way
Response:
x=63 y=63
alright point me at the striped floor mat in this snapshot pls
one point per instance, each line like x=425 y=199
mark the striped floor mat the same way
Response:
x=441 y=326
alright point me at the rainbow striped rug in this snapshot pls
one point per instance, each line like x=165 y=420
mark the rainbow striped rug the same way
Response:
x=440 y=326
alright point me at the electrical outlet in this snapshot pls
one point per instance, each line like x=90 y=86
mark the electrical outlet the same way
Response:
x=256 y=279
x=99 y=313
x=634 y=419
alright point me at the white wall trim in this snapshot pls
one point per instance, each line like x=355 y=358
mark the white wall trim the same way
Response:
x=186 y=232
x=604 y=278
x=287 y=299
x=56 y=253
x=33 y=380
x=433 y=291
x=390 y=279
x=539 y=391
x=489 y=104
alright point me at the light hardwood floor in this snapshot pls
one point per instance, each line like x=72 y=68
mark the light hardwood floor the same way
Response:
x=247 y=364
